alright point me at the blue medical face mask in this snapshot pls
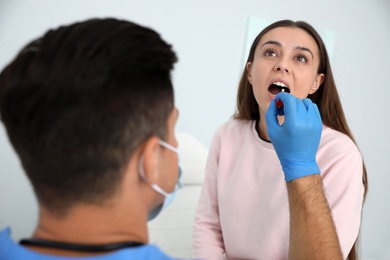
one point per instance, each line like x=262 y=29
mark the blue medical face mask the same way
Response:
x=168 y=196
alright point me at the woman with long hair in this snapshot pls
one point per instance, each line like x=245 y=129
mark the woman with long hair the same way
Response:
x=243 y=210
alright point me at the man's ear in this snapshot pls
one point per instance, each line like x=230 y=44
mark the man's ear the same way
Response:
x=151 y=158
x=317 y=83
x=249 y=71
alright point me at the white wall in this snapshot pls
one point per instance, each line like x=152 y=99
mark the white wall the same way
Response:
x=209 y=38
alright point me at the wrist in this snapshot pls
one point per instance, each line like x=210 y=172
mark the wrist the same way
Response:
x=296 y=170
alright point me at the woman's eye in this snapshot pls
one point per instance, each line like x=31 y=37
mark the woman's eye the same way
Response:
x=269 y=53
x=301 y=58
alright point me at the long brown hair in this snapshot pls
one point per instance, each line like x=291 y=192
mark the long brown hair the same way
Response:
x=326 y=97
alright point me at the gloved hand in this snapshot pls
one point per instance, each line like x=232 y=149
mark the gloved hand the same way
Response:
x=296 y=141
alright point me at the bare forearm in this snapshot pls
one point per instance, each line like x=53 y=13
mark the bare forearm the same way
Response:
x=312 y=231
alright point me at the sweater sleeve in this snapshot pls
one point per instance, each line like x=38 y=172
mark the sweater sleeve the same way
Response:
x=342 y=178
x=207 y=235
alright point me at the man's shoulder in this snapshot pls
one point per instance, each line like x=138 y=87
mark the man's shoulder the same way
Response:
x=11 y=250
x=146 y=252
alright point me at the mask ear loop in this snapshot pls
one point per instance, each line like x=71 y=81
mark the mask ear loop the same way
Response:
x=169 y=147
x=141 y=173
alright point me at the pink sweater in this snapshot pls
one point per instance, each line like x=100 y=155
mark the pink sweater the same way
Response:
x=243 y=209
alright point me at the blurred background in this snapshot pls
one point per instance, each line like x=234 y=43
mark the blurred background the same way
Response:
x=211 y=39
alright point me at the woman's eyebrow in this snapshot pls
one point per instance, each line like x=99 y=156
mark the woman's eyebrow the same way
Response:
x=273 y=43
x=304 y=49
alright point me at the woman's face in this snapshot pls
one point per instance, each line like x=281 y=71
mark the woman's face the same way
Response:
x=286 y=59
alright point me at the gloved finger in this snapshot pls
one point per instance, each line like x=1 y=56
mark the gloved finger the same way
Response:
x=318 y=114
x=307 y=102
x=315 y=114
x=271 y=115
x=311 y=108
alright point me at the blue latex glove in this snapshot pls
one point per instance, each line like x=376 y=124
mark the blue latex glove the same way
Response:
x=296 y=141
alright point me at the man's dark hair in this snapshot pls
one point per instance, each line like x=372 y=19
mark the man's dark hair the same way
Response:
x=77 y=102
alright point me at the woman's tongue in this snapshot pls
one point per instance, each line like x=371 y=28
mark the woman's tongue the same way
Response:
x=274 y=89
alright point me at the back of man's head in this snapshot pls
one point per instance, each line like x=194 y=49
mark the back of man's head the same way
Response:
x=78 y=101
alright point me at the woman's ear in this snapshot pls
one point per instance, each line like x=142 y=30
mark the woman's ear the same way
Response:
x=317 y=83
x=151 y=159
x=249 y=71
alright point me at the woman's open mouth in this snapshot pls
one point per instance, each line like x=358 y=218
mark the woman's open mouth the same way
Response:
x=277 y=87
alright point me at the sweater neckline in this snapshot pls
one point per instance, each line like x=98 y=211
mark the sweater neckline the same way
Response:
x=265 y=143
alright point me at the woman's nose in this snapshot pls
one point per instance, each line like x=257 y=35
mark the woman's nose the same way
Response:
x=280 y=68
x=283 y=66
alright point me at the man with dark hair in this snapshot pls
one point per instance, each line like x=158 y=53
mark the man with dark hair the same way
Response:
x=83 y=106
x=89 y=109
